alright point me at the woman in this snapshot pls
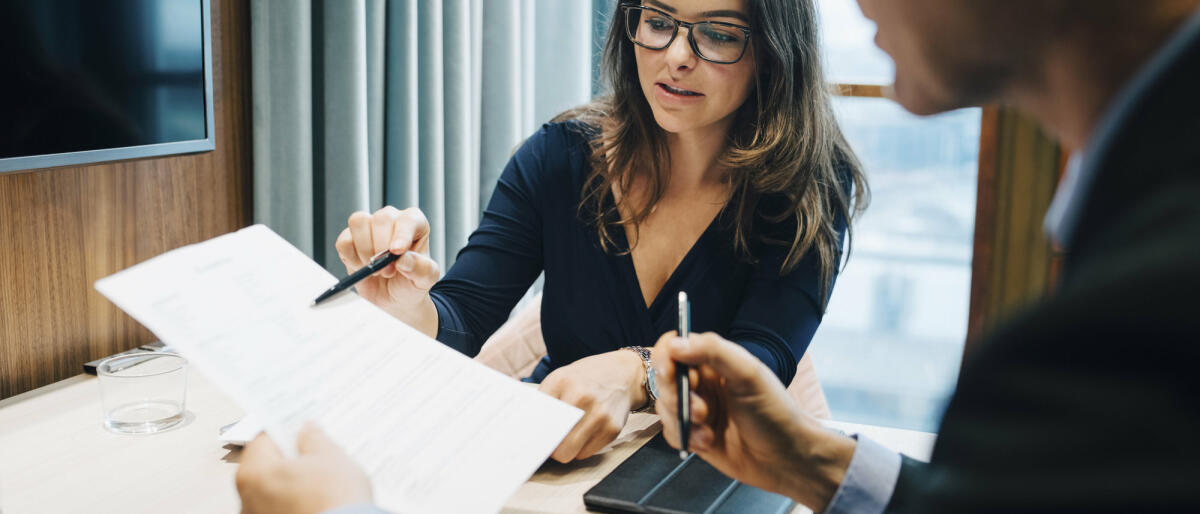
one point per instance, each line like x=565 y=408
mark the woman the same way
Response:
x=714 y=167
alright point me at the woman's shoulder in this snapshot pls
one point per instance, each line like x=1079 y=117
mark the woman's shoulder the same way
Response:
x=564 y=136
x=552 y=162
x=557 y=150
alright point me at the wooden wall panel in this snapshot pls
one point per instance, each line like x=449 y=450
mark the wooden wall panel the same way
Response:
x=61 y=229
x=1013 y=264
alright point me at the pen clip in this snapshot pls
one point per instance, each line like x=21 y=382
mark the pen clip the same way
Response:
x=377 y=257
x=685 y=322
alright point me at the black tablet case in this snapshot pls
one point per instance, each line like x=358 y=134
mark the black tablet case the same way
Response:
x=654 y=480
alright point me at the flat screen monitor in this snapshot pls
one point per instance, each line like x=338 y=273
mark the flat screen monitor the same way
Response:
x=88 y=81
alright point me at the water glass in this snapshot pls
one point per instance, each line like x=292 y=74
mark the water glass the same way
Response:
x=143 y=393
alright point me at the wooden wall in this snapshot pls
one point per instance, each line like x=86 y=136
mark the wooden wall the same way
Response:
x=61 y=229
x=1014 y=262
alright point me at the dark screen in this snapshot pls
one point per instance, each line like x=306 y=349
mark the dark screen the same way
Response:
x=94 y=74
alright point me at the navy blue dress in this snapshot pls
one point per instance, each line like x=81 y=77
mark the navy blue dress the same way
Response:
x=592 y=302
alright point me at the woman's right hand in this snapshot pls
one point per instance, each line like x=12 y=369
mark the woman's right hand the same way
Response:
x=401 y=289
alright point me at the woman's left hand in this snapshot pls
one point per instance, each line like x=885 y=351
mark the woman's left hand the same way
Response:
x=606 y=386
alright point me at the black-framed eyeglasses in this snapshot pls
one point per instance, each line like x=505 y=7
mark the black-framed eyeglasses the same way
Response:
x=714 y=41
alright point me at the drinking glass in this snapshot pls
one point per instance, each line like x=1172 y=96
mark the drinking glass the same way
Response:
x=143 y=393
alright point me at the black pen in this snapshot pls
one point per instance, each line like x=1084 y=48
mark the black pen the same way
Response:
x=681 y=379
x=378 y=262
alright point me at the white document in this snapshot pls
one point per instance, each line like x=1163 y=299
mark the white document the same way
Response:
x=435 y=431
x=241 y=432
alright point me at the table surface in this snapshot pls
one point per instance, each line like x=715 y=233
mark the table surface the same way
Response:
x=56 y=457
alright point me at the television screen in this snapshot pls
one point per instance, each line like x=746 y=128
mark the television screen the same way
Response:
x=89 y=80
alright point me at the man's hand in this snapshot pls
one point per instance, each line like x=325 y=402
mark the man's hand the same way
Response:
x=745 y=424
x=321 y=478
x=606 y=386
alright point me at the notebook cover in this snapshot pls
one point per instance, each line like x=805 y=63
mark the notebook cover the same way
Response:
x=654 y=481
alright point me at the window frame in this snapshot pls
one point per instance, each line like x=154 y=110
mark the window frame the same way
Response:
x=1016 y=161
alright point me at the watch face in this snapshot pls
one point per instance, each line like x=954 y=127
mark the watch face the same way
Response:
x=651 y=382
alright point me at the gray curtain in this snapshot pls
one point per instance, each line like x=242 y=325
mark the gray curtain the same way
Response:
x=362 y=103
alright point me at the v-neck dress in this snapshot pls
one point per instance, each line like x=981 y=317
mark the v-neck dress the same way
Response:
x=592 y=302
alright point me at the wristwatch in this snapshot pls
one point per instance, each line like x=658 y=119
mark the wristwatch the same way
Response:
x=650 y=385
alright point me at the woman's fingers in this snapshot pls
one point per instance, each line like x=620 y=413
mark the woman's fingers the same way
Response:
x=389 y=229
x=383 y=225
x=419 y=269
x=360 y=231
x=573 y=443
x=598 y=440
x=603 y=432
x=589 y=436
x=410 y=232
x=346 y=252
x=554 y=386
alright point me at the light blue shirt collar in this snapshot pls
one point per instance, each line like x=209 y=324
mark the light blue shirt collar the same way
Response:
x=1062 y=219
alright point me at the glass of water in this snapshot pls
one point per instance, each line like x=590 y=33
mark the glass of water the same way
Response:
x=143 y=393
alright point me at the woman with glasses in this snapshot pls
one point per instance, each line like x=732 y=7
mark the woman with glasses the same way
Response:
x=714 y=166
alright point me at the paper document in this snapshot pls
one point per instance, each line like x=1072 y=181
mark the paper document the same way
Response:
x=435 y=431
x=240 y=432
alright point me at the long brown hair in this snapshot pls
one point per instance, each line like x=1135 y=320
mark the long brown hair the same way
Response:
x=794 y=150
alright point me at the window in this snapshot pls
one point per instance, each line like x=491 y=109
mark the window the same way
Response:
x=851 y=56
x=889 y=348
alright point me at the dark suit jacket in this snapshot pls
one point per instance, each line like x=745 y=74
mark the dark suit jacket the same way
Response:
x=1090 y=402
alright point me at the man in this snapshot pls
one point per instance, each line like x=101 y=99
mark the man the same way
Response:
x=1087 y=402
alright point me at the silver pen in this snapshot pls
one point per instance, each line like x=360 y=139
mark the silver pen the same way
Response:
x=681 y=379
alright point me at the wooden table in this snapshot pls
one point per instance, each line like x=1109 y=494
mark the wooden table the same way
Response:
x=56 y=457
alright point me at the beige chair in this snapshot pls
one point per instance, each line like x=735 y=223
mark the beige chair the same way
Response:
x=518 y=346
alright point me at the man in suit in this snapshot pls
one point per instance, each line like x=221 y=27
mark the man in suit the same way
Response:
x=1085 y=403
x=1088 y=402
